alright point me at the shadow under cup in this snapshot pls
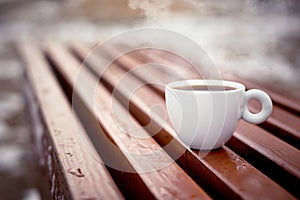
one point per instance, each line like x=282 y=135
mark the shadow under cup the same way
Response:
x=205 y=113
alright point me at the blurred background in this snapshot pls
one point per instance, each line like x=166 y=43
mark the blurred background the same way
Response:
x=257 y=39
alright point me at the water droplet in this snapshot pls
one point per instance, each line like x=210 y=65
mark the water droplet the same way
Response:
x=76 y=172
x=69 y=154
x=239 y=162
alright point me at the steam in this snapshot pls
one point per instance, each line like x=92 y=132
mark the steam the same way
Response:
x=244 y=37
x=152 y=9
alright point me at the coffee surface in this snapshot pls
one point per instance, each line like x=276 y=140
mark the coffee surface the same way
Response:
x=205 y=88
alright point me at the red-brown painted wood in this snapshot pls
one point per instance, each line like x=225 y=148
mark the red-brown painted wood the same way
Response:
x=85 y=175
x=286 y=126
x=206 y=171
x=169 y=182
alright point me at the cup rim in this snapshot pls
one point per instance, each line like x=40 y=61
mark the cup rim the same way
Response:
x=206 y=82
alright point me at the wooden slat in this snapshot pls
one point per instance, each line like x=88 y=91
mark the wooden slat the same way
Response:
x=40 y=149
x=234 y=182
x=168 y=182
x=85 y=174
x=269 y=154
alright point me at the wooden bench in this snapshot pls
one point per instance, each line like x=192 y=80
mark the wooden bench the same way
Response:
x=78 y=143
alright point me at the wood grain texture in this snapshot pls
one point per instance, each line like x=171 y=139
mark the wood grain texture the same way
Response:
x=83 y=171
x=168 y=181
x=232 y=180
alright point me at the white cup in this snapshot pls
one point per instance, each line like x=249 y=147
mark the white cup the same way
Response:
x=206 y=119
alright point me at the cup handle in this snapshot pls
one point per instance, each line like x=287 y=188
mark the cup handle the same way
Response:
x=266 y=106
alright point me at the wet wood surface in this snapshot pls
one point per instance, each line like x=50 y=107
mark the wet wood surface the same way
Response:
x=260 y=161
x=144 y=98
x=85 y=175
x=167 y=181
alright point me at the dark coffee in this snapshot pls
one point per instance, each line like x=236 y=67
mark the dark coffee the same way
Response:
x=205 y=88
